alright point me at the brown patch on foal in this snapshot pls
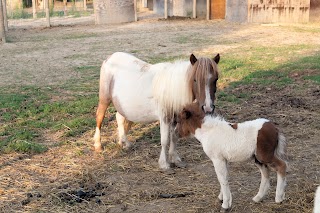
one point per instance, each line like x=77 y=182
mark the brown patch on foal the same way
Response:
x=189 y=119
x=234 y=126
x=267 y=142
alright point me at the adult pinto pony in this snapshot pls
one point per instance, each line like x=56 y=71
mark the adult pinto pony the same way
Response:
x=144 y=93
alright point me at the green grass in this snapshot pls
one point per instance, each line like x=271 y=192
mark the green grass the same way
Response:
x=29 y=112
x=23 y=14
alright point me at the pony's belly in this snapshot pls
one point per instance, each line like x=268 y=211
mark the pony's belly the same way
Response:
x=140 y=114
x=135 y=108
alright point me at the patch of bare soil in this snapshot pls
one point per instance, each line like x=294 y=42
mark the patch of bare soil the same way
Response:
x=71 y=178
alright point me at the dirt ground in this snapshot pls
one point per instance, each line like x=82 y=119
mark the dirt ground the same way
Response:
x=131 y=181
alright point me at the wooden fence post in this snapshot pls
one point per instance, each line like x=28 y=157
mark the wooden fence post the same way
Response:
x=2 y=29
x=34 y=9
x=5 y=19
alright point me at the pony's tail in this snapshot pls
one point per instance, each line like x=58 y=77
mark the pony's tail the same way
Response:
x=281 y=150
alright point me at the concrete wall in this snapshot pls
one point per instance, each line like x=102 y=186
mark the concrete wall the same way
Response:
x=201 y=8
x=158 y=7
x=315 y=11
x=266 y=11
x=237 y=10
x=111 y=11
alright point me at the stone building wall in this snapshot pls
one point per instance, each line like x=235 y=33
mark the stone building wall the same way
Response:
x=114 y=11
x=278 y=11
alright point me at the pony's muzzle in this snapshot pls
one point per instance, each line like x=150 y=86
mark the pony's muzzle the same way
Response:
x=208 y=109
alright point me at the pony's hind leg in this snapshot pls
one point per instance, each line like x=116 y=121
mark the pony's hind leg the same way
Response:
x=124 y=126
x=265 y=182
x=102 y=108
x=281 y=168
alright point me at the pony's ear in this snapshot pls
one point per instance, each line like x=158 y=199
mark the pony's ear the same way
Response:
x=217 y=58
x=193 y=59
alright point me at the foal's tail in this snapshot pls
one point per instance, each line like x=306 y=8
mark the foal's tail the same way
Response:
x=281 y=150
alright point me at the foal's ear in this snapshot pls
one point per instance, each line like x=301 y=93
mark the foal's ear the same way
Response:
x=217 y=58
x=193 y=59
x=187 y=114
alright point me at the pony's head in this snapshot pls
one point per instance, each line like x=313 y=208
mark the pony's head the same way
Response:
x=203 y=79
x=189 y=119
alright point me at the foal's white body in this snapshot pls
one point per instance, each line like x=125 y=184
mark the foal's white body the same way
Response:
x=219 y=140
x=224 y=144
x=145 y=93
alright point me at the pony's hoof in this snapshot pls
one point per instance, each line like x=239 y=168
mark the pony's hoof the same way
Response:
x=128 y=146
x=224 y=210
x=168 y=171
x=180 y=164
x=257 y=199
x=98 y=149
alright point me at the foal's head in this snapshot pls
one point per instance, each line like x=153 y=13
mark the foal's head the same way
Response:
x=189 y=119
x=203 y=80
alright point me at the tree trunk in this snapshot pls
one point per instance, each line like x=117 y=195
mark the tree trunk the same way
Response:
x=34 y=9
x=5 y=19
x=47 y=13
x=2 y=29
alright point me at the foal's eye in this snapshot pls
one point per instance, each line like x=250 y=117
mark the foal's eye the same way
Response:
x=195 y=80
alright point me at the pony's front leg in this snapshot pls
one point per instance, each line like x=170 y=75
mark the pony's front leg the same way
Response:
x=221 y=169
x=164 y=133
x=173 y=154
x=123 y=129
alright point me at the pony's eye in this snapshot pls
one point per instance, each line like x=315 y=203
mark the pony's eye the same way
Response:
x=195 y=80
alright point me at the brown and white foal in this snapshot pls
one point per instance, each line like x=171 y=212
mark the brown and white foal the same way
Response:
x=224 y=142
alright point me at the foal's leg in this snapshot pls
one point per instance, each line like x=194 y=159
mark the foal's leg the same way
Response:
x=102 y=107
x=173 y=154
x=164 y=133
x=281 y=168
x=221 y=169
x=265 y=182
x=123 y=128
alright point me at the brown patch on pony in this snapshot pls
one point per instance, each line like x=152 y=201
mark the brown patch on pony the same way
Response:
x=267 y=142
x=189 y=120
x=234 y=126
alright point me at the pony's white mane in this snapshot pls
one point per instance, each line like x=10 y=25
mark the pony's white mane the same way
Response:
x=171 y=88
